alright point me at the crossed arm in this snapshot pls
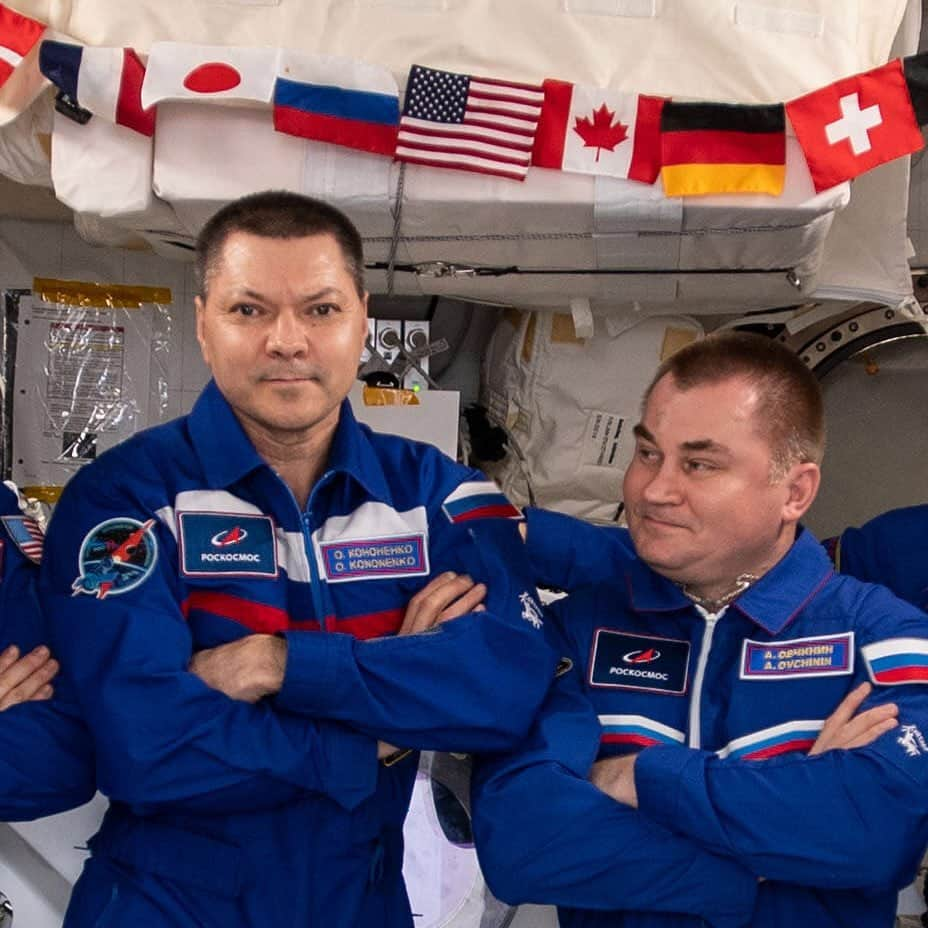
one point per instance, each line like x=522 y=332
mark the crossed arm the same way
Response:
x=253 y=667
x=844 y=729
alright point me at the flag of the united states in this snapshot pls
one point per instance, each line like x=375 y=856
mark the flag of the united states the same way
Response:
x=27 y=534
x=468 y=123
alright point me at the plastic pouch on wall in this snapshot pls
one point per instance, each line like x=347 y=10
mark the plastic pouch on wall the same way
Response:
x=90 y=370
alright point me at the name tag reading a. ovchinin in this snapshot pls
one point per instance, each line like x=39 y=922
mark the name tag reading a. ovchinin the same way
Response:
x=826 y=656
x=375 y=558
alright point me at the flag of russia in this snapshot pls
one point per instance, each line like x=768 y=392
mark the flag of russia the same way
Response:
x=897 y=660
x=106 y=81
x=337 y=100
x=637 y=731
x=478 y=499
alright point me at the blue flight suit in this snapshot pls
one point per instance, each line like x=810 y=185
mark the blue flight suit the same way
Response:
x=891 y=549
x=277 y=814
x=722 y=710
x=46 y=759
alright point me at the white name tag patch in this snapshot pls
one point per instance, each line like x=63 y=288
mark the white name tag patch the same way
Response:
x=375 y=558
x=827 y=656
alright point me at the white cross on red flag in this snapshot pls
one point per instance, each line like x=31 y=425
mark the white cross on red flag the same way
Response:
x=856 y=124
x=18 y=34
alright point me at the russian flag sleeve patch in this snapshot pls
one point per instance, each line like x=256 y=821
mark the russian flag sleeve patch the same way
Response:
x=478 y=499
x=897 y=660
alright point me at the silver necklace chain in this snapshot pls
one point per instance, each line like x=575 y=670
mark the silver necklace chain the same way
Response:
x=714 y=604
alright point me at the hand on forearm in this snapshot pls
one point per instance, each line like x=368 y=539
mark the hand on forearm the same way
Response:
x=844 y=729
x=445 y=597
x=23 y=679
x=247 y=669
x=615 y=776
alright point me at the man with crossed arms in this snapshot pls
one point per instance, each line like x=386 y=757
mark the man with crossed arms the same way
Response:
x=693 y=718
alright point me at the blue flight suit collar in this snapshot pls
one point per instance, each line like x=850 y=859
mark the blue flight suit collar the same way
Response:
x=772 y=602
x=228 y=455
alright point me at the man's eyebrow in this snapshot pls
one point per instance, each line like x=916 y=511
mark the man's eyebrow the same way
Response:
x=324 y=293
x=705 y=444
x=699 y=444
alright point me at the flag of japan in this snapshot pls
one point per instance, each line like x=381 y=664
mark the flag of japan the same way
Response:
x=177 y=71
x=105 y=81
x=855 y=124
x=590 y=130
x=18 y=34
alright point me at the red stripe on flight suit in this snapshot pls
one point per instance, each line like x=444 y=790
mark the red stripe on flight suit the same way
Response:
x=615 y=738
x=269 y=620
x=773 y=750
x=372 y=625
x=259 y=617
x=502 y=510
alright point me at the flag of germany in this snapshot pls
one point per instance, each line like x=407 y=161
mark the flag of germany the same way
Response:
x=722 y=148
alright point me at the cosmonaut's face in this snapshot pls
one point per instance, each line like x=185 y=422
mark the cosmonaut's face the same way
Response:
x=701 y=506
x=281 y=329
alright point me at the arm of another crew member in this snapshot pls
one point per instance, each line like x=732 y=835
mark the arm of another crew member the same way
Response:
x=891 y=549
x=46 y=759
x=841 y=819
x=545 y=834
x=441 y=690
x=163 y=738
x=27 y=677
x=567 y=553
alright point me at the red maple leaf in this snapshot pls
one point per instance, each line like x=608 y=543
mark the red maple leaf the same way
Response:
x=600 y=133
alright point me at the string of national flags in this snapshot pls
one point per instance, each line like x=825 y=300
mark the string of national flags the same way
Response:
x=500 y=127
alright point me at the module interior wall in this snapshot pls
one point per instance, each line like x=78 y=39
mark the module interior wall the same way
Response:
x=48 y=249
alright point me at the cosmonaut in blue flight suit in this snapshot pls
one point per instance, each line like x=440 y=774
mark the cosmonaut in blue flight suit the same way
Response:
x=703 y=712
x=271 y=809
x=46 y=759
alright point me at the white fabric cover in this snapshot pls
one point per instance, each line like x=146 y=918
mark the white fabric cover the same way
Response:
x=25 y=144
x=555 y=224
x=100 y=167
x=207 y=155
x=745 y=50
x=570 y=404
x=552 y=221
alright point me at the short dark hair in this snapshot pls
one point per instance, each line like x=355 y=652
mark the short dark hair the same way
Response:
x=278 y=214
x=790 y=411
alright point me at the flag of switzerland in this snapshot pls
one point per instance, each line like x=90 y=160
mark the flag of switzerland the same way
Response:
x=18 y=34
x=855 y=124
